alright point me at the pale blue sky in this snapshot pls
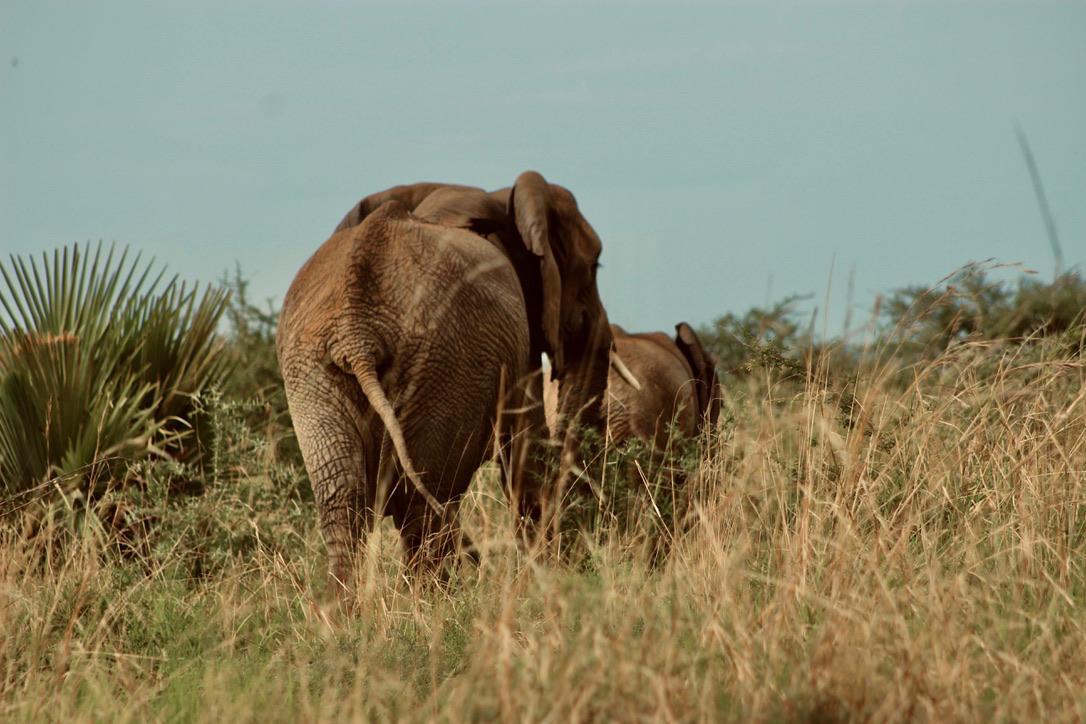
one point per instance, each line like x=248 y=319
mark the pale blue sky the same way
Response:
x=714 y=146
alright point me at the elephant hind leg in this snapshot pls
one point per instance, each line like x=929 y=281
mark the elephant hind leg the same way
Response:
x=328 y=424
x=429 y=540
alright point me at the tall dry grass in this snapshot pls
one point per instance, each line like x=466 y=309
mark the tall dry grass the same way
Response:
x=906 y=547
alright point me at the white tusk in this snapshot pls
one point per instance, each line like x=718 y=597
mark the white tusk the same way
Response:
x=623 y=370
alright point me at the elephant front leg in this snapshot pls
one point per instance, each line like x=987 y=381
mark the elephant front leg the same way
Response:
x=523 y=482
x=525 y=455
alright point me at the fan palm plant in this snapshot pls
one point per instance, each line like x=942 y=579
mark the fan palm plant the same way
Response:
x=100 y=357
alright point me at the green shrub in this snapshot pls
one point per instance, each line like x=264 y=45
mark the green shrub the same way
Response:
x=761 y=337
x=245 y=500
x=255 y=381
x=251 y=345
x=970 y=305
x=915 y=325
x=100 y=360
x=629 y=491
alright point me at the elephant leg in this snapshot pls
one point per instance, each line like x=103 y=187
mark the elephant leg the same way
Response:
x=329 y=428
x=429 y=539
x=523 y=453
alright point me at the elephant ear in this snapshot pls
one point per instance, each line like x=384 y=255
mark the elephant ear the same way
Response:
x=528 y=207
x=410 y=195
x=704 y=368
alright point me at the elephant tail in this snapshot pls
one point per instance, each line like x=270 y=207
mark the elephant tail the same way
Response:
x=366 y=374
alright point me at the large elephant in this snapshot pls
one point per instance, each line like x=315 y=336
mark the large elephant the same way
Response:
x=666 y=385
x=422 y=323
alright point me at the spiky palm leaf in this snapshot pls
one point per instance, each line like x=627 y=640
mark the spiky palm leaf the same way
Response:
x=62 y=412
x=98 y=356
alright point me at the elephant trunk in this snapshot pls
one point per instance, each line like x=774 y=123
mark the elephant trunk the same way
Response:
x=584 y=383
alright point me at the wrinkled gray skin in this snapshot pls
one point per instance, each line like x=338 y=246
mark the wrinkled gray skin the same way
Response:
x=412 y=340
x=678 y=384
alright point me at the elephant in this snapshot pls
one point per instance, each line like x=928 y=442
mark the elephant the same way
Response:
x=411 y=346
x=675 y=382
x=656 y=382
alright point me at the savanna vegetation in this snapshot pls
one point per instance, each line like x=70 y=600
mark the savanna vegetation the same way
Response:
x=889 y=525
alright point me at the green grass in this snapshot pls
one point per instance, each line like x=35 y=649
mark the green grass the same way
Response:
x=906 y=551
x=889 y=532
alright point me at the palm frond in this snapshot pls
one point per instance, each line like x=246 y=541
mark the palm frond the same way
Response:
x=100 y=354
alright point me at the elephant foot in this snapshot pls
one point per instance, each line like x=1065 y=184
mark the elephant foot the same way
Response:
x=467 y=549
x=433 y=546
x=340 y=585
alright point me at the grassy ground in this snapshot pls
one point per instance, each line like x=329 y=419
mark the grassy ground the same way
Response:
x=912 y=548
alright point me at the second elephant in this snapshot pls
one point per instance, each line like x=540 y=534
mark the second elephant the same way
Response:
x=676 y=387
x=666 y=385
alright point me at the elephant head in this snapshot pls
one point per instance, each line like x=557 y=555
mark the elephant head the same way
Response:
x=573 y=327
x=555 y=252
